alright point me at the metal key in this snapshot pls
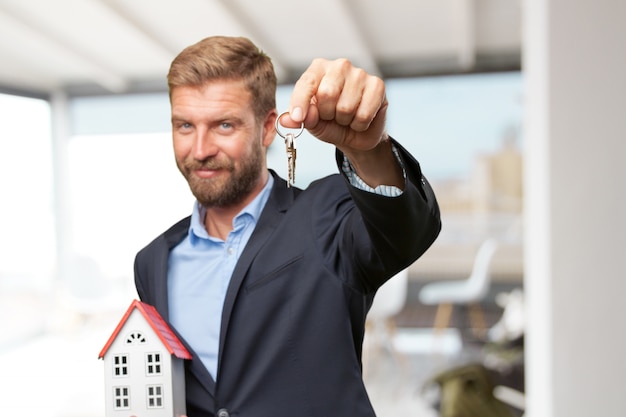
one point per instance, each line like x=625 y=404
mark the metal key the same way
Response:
x=290 y=145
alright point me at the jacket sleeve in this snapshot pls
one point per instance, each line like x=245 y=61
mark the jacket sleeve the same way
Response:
x=400 y=228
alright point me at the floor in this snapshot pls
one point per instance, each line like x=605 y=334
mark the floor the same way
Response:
x=52 y=370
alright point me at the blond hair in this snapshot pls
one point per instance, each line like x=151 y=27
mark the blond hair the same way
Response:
x=227 y=58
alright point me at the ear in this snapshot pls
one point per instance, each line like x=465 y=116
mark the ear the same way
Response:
x=269 y=128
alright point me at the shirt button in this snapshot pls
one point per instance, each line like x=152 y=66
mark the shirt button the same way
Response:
x=231 y=251
x=222 y=412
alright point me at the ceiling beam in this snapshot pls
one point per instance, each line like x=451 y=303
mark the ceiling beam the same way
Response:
x=467 y=34
x=12 y=91
x=99 y=72
x=349 y=13
x=159 y=39
x=251 y=26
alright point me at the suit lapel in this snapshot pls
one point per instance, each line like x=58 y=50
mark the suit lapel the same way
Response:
x=280 y=200
x=172 y=237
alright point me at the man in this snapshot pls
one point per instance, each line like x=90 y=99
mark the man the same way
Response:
x=269 y=285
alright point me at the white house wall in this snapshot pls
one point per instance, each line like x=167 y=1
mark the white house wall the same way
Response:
x=137 y=378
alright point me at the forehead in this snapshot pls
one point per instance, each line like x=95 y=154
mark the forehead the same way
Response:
x=217 y=96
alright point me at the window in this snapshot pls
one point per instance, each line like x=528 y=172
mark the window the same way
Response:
x=120 y=365
x=28 y=210
x=121 y=398
x=135 y=337
x=91 y=179
x=155 y=396
x=153 y=363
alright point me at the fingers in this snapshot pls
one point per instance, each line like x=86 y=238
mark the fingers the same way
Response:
x=335 y=78
x=359 y=116
x=305 y=90
x=336 y=91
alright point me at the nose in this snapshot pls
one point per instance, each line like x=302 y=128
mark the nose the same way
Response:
x=203 y=146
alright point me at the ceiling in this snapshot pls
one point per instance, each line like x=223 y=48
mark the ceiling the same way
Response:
x=85 y=47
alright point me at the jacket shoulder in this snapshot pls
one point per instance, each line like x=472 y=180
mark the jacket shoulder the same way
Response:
x=170 y=237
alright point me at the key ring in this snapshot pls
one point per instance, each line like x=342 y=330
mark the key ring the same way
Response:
x=281 y=133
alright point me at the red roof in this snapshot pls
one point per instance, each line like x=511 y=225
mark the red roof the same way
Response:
x=173 y=345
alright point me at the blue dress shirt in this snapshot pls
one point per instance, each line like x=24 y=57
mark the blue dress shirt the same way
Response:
x=199 y=271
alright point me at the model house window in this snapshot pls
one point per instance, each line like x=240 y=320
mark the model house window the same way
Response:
x=153 y=363
x=135 y=337
x=121 y=398
x=155 y=396
x=120 y=365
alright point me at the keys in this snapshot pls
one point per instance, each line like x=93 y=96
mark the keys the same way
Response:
x=290 y=146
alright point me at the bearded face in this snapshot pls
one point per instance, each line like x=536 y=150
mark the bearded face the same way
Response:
x=219 y=144
x=237 y=179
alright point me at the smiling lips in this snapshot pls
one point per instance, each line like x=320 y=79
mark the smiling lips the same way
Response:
x=209 y=169
x=206 y=173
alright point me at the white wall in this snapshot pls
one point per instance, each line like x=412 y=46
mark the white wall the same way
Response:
x=575 y=70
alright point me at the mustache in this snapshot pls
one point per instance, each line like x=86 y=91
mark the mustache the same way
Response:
x=212 y=164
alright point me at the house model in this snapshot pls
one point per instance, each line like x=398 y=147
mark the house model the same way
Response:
x=144 y=371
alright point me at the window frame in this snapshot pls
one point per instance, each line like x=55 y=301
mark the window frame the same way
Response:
x=121 y=397
x=121 y=369
x=154 y=363
x=154 y=394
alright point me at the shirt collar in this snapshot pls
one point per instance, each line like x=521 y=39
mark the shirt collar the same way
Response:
x=253 y=210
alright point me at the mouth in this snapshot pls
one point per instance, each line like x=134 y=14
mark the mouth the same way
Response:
x=205 y=170
x=206 y=173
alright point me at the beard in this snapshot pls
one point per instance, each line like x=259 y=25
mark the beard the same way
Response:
x=224 y=190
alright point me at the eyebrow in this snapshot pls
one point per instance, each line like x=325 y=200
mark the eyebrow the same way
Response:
x=178 y=119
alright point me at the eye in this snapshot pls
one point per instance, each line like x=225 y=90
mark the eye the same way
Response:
x=225 y=128
x=182 y=126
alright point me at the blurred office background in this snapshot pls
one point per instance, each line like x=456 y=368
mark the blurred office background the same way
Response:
x=514 y=109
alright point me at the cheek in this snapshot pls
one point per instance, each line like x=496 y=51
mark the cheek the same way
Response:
x=181 y=148
x=235 y=148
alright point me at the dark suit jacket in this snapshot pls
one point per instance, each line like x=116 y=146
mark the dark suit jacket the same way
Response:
x=294 y=313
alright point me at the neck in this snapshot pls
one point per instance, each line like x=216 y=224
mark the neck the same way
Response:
x=219 y=221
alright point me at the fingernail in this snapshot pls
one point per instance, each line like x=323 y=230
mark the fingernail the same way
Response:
x=296 y=114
